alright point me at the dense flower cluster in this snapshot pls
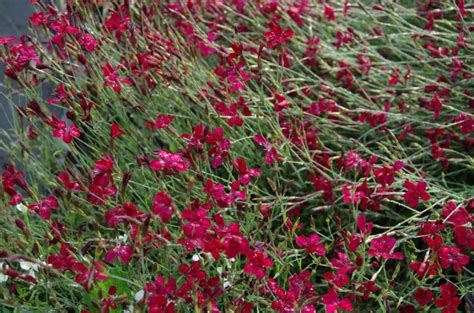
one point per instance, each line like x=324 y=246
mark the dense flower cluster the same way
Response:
x=240 y=156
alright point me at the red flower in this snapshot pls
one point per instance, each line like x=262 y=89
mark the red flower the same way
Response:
x=277 y=36
x=113 y=79
x=7 y=40
x=340 y=279
x=364 y=227
x=456 y=215
x=448 y=300
x=424 y=268
x=257 y=261
x=123 y=214
x=115 y=131
x=64 y=260
x=162 y=122
x=311 y=244
x=271 y=154
x=10 y=179
x=116 y=23
x=198 y=223
x=87 y=276
x=123 y=253
x=451 y=256
x=43 y=207
x=61 y=130
x=62 y=29
x=394 y=77
x=461 y=7
x=61 y=94
x=169 y=162
x=415 y=193
x=161 y=293
x=280 y=102
x=162 y=206
x=382 y=247
x=322 y=184
x=38 y=18
x=234 y=241
x=99 y=192
x=342 y=39
x=435 y=105
x=218 y=194
x=67 y=183
x=332 y=302
x=88 y=42
x=423 y=296
x=301 y=293
x=329 y=12
x=464 y=237
x=245 y=175
x=366 y=288
x=352 y=197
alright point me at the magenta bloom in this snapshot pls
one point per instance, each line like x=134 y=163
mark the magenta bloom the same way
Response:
x=311 y=244
x=333 y=303
x=163 y=206
x=382 y=247
x=415 y=192
x=123 y=253
x=44 y=207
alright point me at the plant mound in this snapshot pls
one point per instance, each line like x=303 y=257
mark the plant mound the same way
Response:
x=240 y=156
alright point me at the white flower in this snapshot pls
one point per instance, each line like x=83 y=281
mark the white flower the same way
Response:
x=139 y=295
x=3 y=278
x=25 y=265
x=21 y=207
x=123 y=238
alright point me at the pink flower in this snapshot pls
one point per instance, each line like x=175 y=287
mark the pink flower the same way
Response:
x=382 y=247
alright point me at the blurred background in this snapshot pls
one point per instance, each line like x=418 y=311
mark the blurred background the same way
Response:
x=13 y=21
